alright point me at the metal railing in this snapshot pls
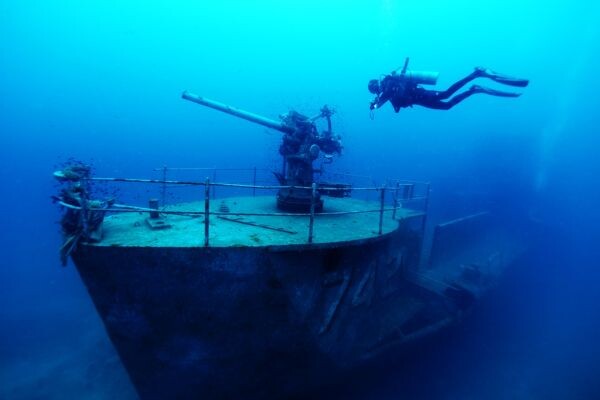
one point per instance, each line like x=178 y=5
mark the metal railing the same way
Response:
x=402 y=191
x=213 y=170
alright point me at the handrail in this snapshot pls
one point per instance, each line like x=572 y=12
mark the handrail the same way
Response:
x=402 y=191
x=222 y=184
x=206 y=169
x=122 y=208
x=250 y=169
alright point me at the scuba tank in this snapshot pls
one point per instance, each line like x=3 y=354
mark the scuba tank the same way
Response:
x=422 y=77
x=418 y=77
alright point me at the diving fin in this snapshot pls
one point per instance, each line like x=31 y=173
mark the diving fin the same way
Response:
x=503 y=79
x=493 y=92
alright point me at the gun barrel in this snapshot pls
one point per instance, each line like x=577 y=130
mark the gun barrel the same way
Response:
x=236 y=112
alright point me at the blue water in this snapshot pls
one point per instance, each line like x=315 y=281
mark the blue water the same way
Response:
x=101 y=81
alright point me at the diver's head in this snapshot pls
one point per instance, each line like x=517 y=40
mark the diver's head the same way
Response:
x=374 y=86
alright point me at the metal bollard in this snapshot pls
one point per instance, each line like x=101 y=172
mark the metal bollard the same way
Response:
x=153 y=204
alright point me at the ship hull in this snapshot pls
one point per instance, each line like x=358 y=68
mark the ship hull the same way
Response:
x=218 y=322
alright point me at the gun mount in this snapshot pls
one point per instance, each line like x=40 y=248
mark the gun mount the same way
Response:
x=301 y=145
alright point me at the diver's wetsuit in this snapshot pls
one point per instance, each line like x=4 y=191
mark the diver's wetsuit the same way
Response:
x=401 y=92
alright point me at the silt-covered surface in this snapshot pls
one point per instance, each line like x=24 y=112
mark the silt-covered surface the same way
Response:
x=233 y=230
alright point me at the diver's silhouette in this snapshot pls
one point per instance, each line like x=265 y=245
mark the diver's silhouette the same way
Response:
x=404 y=89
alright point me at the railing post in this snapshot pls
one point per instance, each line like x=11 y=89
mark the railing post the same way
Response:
x=214 y=179
x=254 y=183
x=164 y=187
x=381 y=205
x=84 y=214
x=424 y=223
x=311 y=223
x=408 y=191
x=396 y=199
x=206 y=209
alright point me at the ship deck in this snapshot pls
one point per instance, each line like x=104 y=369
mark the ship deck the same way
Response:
x=231 y=230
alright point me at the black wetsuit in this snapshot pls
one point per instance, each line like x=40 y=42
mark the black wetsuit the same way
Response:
x=401 y=92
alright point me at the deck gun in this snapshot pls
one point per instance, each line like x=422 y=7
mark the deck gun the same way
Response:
x=301 y=145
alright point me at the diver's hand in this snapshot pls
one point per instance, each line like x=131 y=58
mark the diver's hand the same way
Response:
x=372 y=105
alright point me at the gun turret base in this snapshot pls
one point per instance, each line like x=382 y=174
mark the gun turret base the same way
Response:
x=297 y=200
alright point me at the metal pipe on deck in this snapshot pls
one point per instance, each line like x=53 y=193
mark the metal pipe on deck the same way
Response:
x=236 y=112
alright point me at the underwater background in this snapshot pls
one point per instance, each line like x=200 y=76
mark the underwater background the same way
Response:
x=101 y=81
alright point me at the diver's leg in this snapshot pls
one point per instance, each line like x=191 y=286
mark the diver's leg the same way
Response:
x=483 y=73
x=504 y=79
x=493 y=92
x=435 y=103
x=452 y=89
x=478 y=89
x=433 y=99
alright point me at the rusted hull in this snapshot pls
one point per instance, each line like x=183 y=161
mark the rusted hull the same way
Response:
x=251 y=321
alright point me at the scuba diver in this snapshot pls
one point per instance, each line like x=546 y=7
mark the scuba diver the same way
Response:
x=404 y=89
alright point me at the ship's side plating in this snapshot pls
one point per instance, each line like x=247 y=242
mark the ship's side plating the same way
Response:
x=215 y=321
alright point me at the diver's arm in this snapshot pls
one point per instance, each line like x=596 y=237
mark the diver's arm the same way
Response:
x=373 y=104
x=379 y=101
